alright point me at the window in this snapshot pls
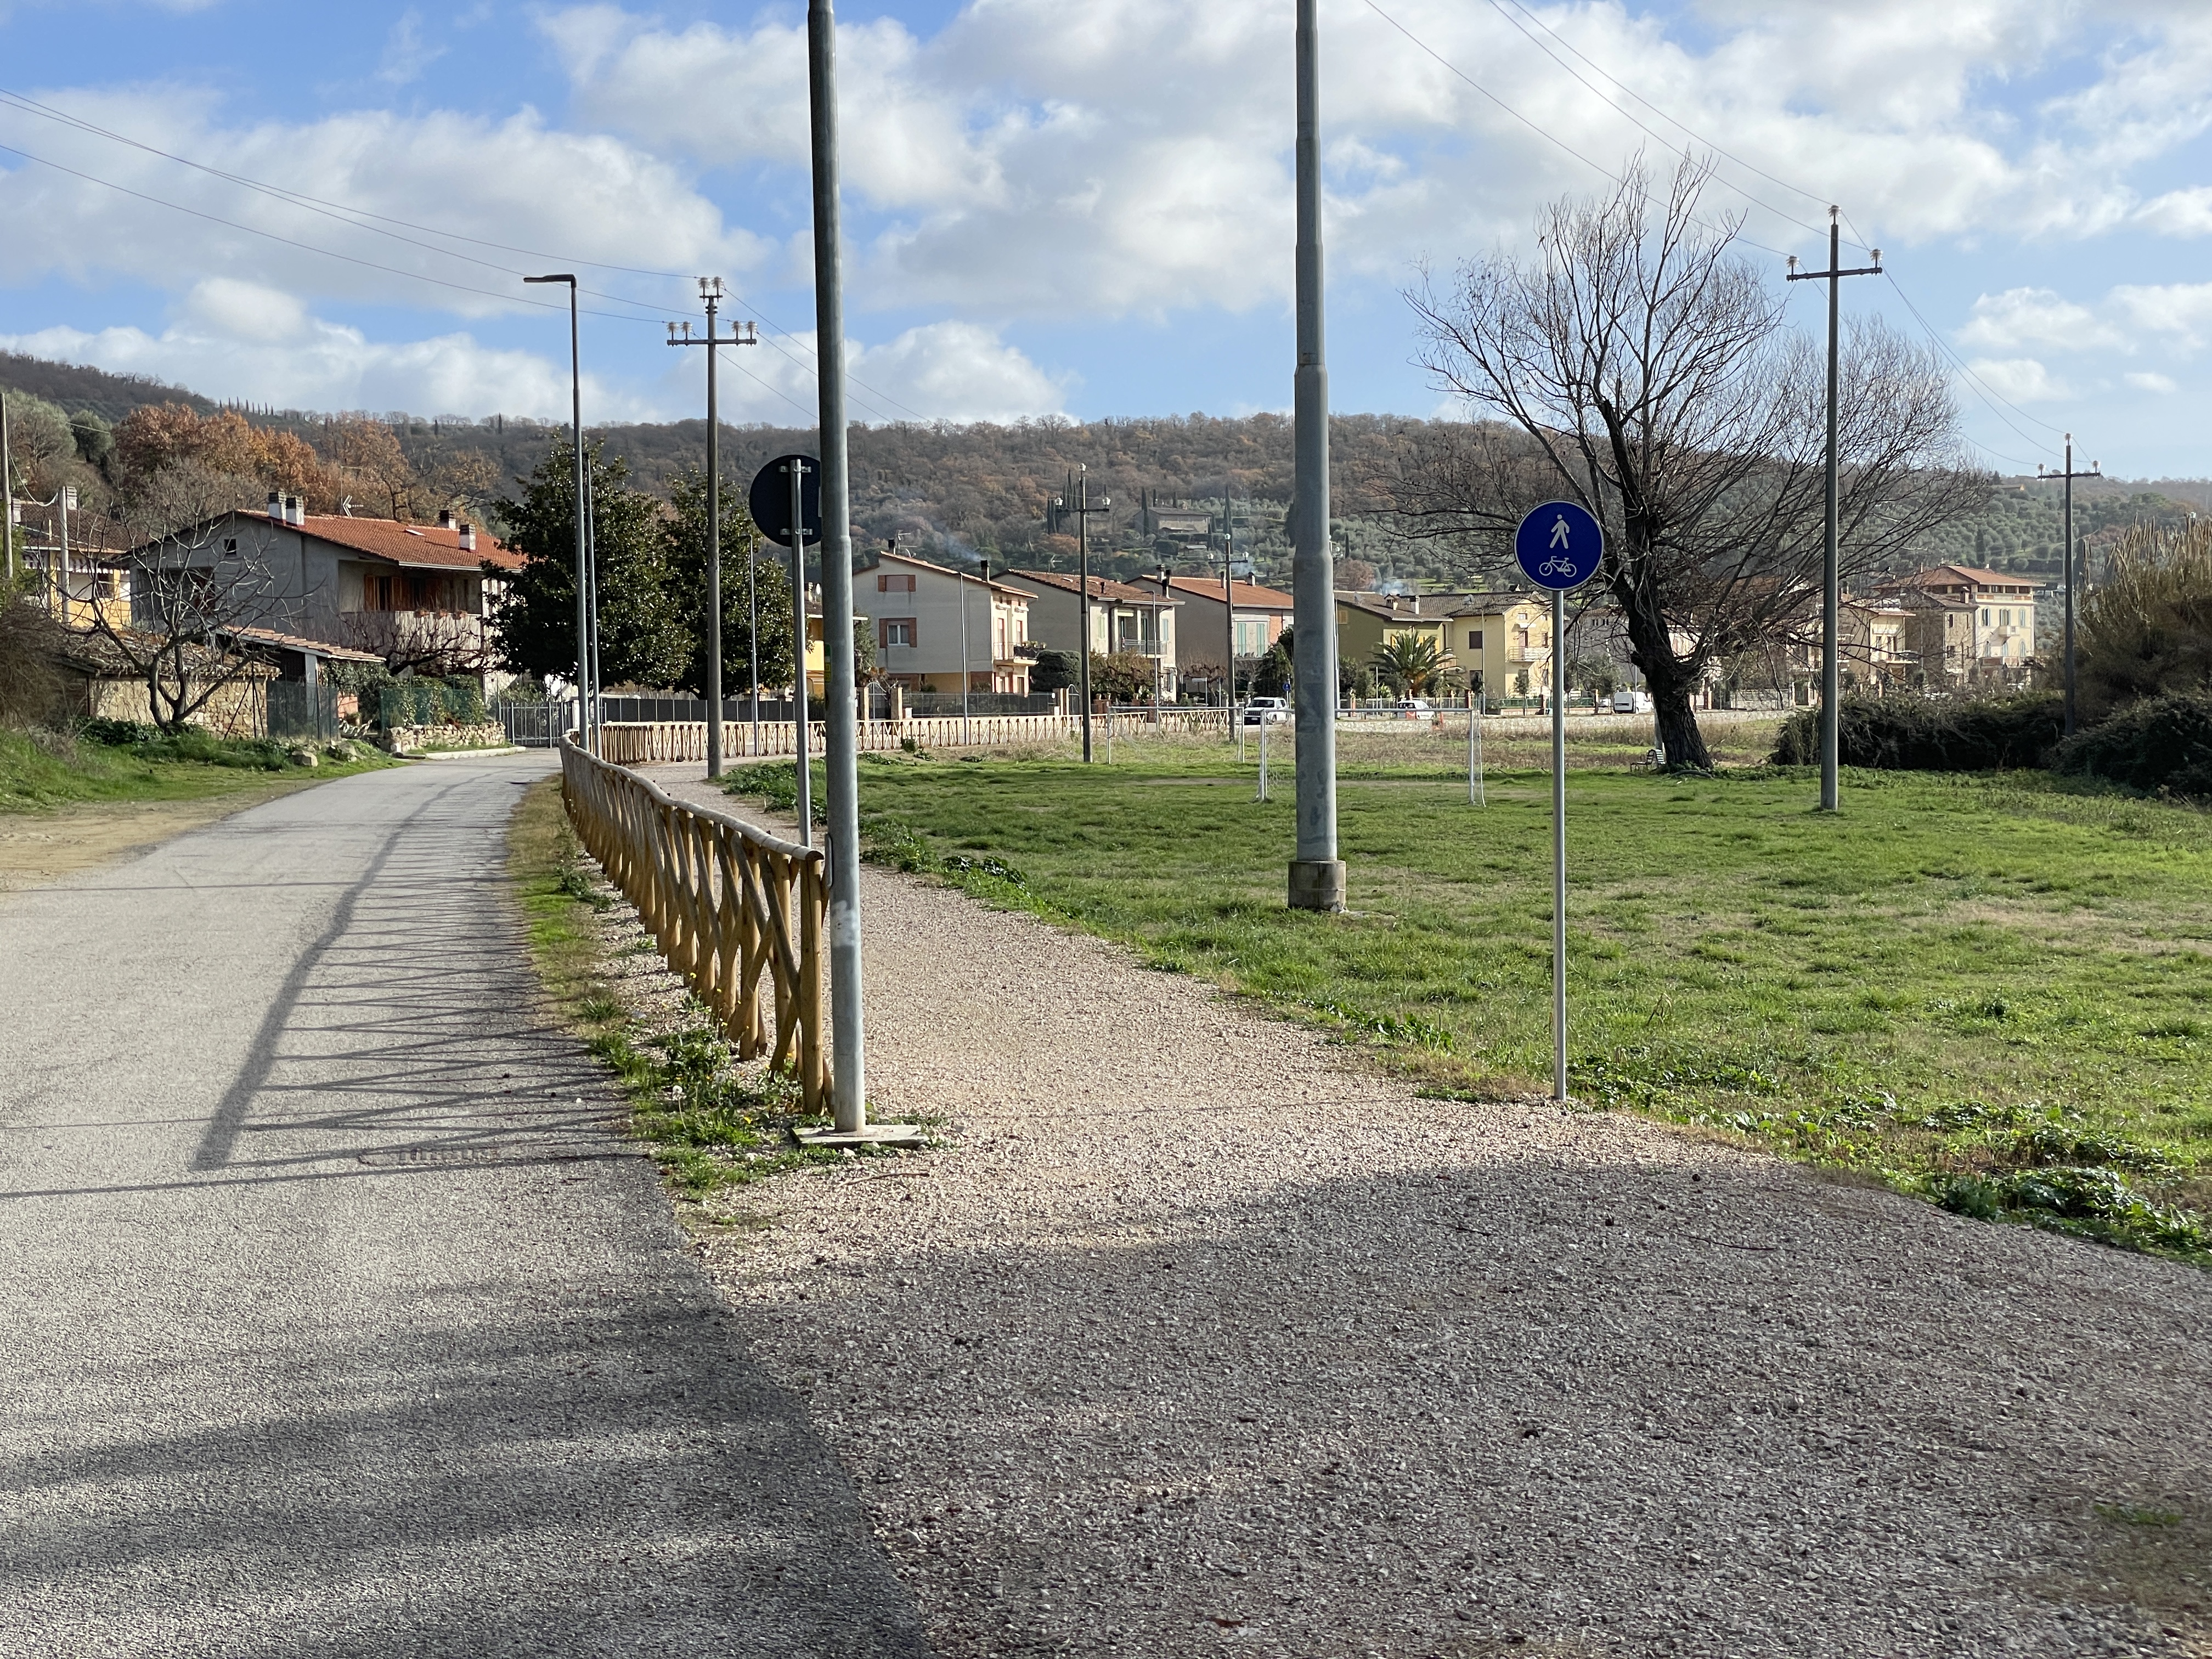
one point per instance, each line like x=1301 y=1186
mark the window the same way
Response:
x=1475 y=639
x=894 y=630
x=1985 y=616
x=887 y=584
x=230 y=546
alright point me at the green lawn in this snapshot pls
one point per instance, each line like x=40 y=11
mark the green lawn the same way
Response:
x=1983 y=987
x=41 y=771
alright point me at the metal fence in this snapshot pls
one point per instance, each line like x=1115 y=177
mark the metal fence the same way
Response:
x=929 y=704
x=728 y=904
x=297 y=710
x=535 y=725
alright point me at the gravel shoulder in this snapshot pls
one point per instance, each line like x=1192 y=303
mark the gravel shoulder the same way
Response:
x=1201 y=1336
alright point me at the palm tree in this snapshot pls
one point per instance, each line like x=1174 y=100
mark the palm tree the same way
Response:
x=1411 y=662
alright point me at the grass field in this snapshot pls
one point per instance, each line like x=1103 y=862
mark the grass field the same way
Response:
x=1984 y=988
x=41 y=771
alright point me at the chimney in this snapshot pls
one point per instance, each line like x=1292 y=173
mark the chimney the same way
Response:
x=445 y=518
x=468 y=538
x=276 y=514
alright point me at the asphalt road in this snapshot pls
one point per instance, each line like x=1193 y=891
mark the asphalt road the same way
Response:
x=333 y=1320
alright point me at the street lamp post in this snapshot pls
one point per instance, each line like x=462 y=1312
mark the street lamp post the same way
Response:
x=583 y=583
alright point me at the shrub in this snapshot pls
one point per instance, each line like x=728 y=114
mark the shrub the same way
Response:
x=119 y=734
x=1902 y=732
x=2147 y=628
x=28 y=682
x=2159 y=745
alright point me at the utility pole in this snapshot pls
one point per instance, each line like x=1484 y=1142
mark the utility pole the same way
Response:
x=710 y=290
x=1316 y=874
x=1830 y=583
x=966 y=738
x=849 y=1094
x=7 y=493
x=583 y=580
x=1083 y=510
x=2073 y=573
x=1229 y=603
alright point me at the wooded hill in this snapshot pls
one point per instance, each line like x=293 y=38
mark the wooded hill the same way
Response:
x=953 y=491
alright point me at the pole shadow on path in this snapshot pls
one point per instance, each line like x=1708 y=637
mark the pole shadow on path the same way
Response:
x=393 y=1347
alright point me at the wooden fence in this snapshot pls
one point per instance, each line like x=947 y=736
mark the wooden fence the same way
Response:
x=727 y=902
x=645 y=742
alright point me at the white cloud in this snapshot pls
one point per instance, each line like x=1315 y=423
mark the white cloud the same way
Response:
x=943 y=371
x=2022 y=379
x=2181 y=311
x=1132 y=157
x=406 y=54
x=515 y=182
x=2037 y=317
x=217 y=348
x=2163 y=385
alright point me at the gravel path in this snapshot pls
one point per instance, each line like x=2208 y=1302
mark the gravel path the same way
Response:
x=1202 y=1338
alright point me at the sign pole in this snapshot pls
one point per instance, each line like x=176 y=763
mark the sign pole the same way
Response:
x=1558 y=846
x=800 y=734
x=1558 y=547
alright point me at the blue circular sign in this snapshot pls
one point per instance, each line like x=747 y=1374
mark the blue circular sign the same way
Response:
x=1558 y=546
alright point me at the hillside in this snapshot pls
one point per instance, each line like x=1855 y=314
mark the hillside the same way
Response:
x=952 y=490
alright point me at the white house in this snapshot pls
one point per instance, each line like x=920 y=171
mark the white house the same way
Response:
x=932 y=623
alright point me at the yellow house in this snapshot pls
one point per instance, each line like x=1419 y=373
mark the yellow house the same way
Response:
x=1499 y=636
x=1364 y=621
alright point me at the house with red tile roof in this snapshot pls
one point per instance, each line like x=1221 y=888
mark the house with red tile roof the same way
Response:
x=1965 y=620
x=417 y=596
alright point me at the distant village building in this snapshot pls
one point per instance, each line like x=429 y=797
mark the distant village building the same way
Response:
x=935 y=627
x=1124 y=618
x=1961 y=621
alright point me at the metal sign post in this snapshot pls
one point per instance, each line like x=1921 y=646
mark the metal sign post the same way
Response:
x=786 y=502
x=1559 y=547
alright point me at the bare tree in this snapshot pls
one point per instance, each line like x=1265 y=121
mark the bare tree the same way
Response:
x=424 y=642
x=192 y=595
x=1642 y=367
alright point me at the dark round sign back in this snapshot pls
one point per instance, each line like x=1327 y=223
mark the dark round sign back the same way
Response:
x=1558 y=546
x=770 y=499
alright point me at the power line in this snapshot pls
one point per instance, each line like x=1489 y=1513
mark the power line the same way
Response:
x=1672 y=149
x=345 y=213
x=1988 y=394
x=1549 y=137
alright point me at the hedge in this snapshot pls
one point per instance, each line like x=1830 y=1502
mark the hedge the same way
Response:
x=2161 y=745
x=1904 y=733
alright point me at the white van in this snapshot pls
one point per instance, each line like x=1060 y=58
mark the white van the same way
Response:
x=1266 y=711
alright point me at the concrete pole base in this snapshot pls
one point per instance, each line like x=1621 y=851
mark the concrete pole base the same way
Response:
x=1316 y=883
x=873 y=1134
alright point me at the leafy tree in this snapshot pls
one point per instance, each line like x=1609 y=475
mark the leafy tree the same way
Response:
x=643 y=639
x=1052 y=671
x=1272 y=676
x=94 y=439
x=684 y=533
x=1411 y=663
x=1124 y=677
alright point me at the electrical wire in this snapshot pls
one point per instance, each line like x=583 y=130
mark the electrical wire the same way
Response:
x=348 y=215
x=1549 y=137
x=1989 y=395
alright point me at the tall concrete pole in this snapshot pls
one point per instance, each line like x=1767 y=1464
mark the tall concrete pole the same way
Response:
x=1316 y=874
x=849 y=1086
x=1831 y=582
x=2071 y=581
x=583 y=586
x=712 y=296
x=7 y=494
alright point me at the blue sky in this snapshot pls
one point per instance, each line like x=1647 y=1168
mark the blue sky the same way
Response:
x=1078 y=208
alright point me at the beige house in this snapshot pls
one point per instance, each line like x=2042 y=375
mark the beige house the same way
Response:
x=1499 y=636
x=934 y=625
x=1968 y=619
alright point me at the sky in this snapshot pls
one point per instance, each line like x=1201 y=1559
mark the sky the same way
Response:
x=1079 y=208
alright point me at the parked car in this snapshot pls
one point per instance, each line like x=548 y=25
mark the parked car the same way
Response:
x=1412 y=709
x=1266 y=711
x=1631 y=702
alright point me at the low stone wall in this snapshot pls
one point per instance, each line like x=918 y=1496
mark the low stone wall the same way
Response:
x=408 y=739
